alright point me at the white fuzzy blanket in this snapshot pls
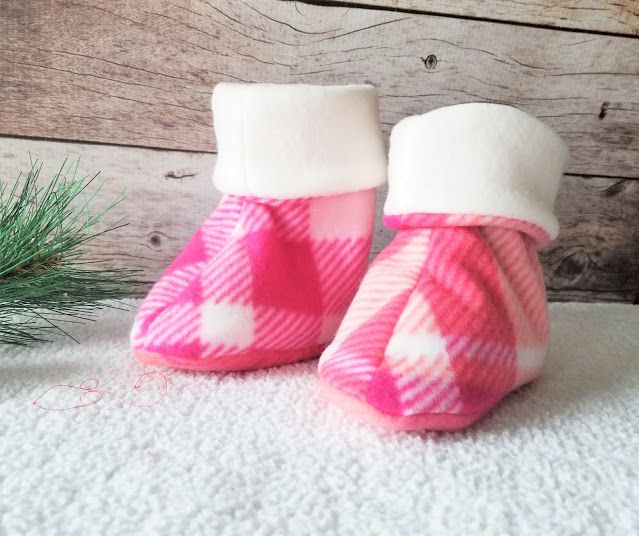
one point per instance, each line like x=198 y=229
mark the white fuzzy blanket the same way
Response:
x=263 y=453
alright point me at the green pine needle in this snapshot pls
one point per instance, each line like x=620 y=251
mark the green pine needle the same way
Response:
x=44 y=279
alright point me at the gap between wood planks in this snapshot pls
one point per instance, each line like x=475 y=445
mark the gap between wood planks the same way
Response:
x=414 y=11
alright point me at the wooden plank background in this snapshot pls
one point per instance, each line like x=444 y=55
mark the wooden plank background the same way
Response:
x=602 y=16
x=84 y=77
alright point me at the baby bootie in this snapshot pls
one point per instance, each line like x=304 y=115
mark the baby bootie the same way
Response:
x=268 y=277
x=452 y=315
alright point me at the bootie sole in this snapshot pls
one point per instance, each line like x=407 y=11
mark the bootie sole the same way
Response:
x=443 y=422
x=229 y=363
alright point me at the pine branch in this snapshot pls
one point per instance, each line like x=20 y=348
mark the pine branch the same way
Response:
x=44 y=279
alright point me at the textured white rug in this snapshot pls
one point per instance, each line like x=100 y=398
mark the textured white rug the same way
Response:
x=262 y=453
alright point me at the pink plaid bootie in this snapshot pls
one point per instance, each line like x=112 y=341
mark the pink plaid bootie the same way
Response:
x=268 y=277
x=452 y=315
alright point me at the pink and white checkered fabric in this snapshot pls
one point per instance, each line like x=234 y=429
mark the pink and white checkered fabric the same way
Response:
x=449 y=318
x=262 y=282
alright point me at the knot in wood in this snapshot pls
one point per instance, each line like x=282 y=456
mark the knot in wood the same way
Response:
x=430 y=62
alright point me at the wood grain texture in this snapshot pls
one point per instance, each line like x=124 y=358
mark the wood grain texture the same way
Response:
x=169 y=194
x=596 y=256
x=140 y=72
x=612 y=16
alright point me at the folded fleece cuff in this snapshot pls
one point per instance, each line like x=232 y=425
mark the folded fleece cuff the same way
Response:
x=479 y=159
x=286 y=141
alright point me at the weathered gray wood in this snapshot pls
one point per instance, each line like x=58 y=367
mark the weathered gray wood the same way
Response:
x=140 y=72
x=169 y=193
x=613 y=16
x=598 y=246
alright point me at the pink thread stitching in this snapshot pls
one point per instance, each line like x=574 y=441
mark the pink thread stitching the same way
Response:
x=90 y=387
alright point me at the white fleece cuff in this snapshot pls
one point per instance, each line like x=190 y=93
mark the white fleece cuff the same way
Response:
x=287 y=141
x=482 y=159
